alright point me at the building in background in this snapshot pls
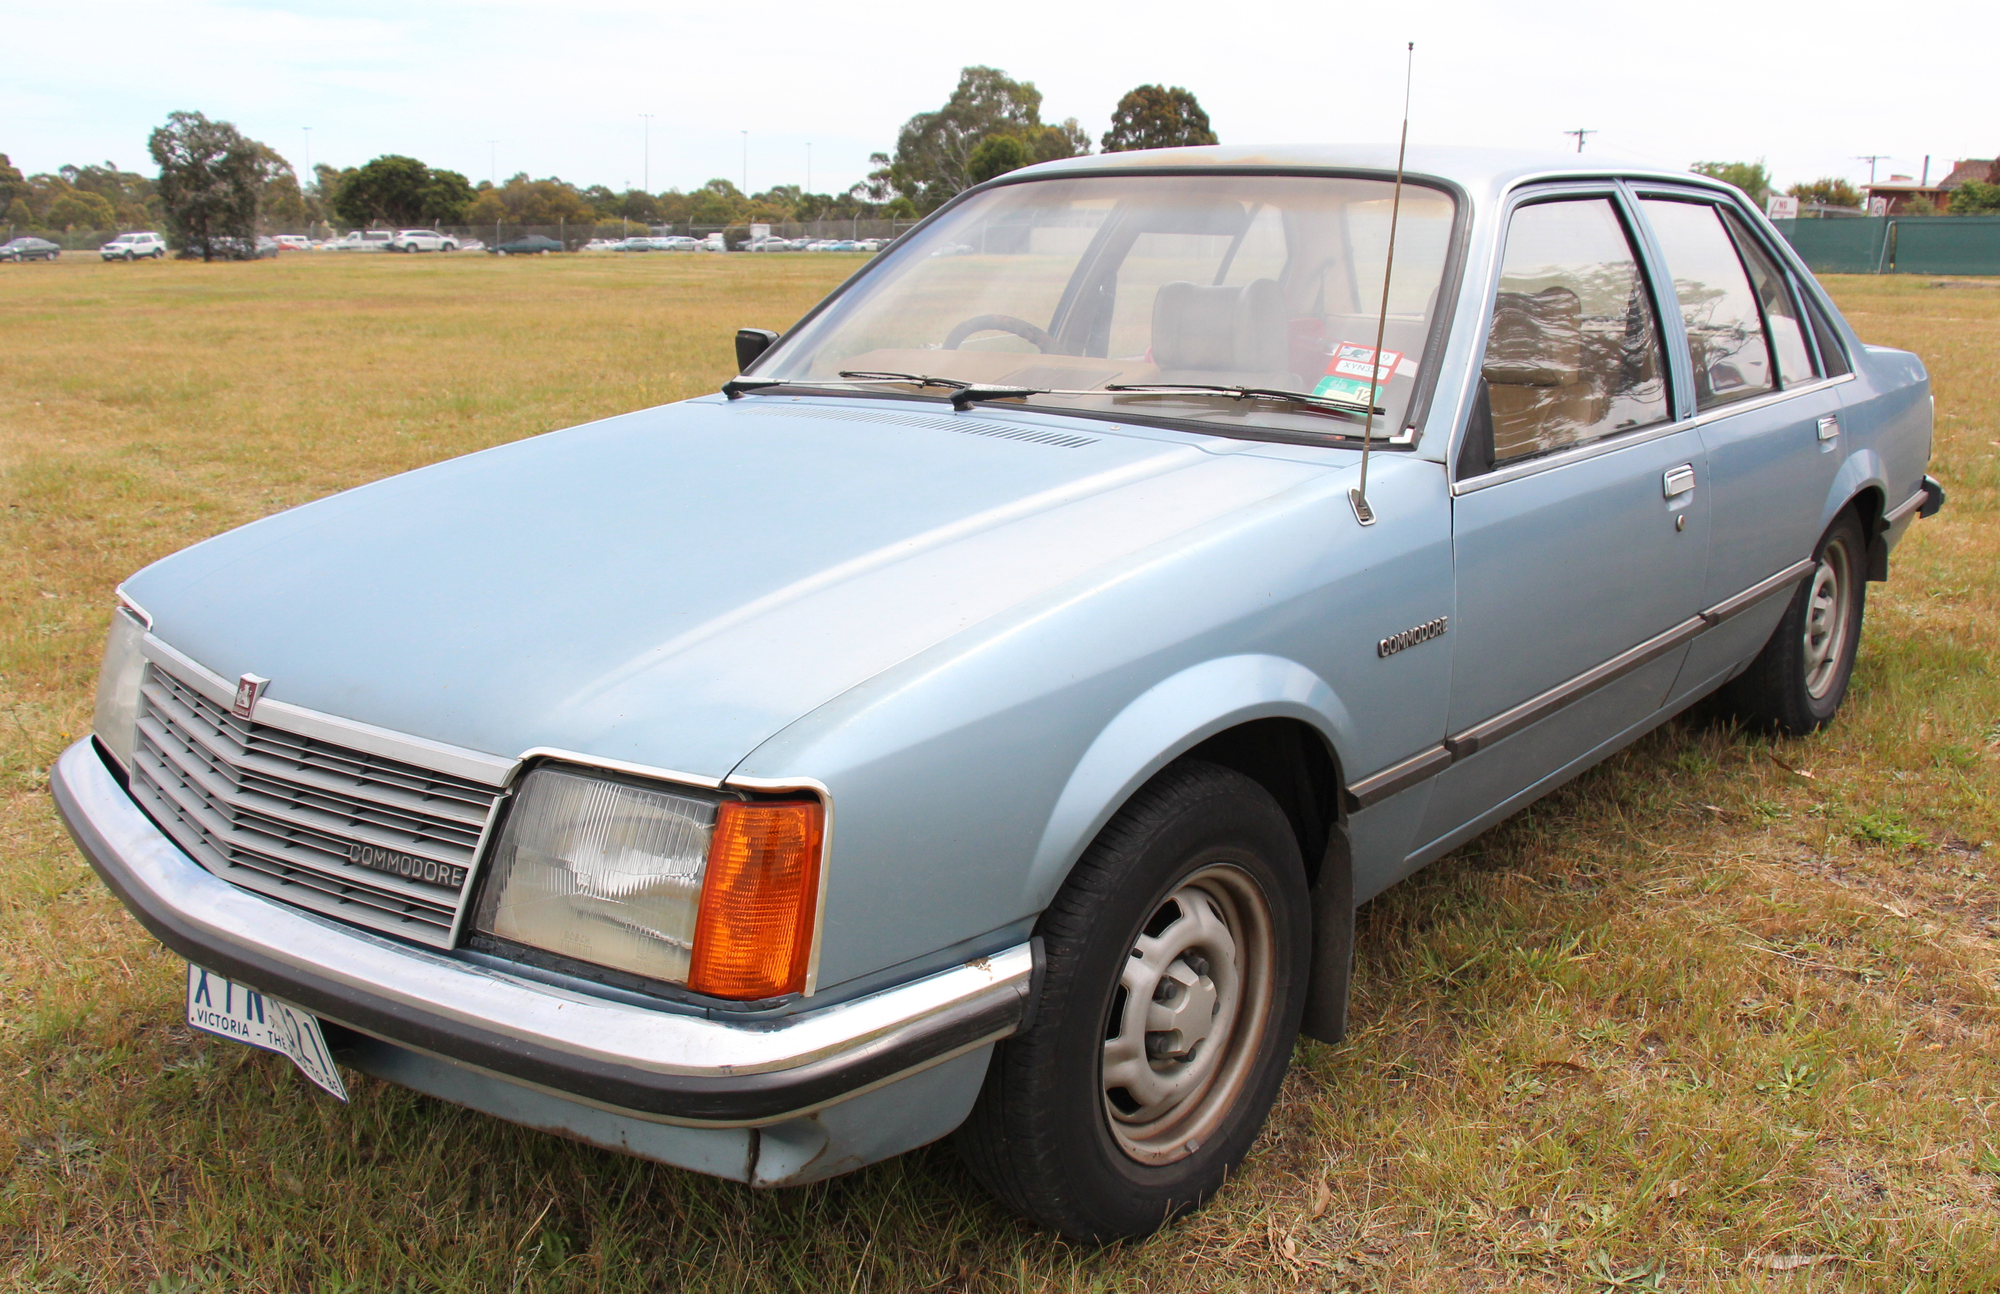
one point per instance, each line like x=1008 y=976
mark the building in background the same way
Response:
x=1898 y=191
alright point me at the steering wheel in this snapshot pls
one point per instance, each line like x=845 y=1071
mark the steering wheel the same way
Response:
x=1042 y=339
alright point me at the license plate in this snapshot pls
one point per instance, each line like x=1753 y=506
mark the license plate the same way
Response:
x=241 y=1014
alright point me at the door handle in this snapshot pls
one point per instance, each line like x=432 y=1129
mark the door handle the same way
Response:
x=1678 y=480
x=1829 y=426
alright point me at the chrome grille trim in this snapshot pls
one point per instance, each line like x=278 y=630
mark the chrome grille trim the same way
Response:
x=277 y=812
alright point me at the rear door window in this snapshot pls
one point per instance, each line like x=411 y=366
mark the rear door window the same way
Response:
x=1725 y=329
x=1782 y=326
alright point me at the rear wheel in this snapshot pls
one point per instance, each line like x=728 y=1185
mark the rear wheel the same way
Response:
x=1174 y=972
x=1796 y=684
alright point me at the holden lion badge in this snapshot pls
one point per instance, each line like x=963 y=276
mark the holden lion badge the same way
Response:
x=248 y=689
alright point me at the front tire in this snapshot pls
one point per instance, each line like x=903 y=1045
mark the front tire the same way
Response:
x=1796 y=684
x=1174 y=970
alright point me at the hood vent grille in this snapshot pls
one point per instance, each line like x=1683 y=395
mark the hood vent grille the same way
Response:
x=934 y=422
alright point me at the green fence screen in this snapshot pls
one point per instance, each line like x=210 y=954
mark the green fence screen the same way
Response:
x=1897 y=244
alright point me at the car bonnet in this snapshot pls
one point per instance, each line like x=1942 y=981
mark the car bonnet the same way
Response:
x=673 y=586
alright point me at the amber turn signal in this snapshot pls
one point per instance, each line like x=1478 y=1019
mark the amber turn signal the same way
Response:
x=753 y=937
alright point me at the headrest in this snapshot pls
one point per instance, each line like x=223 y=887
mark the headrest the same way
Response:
x=1537 y=339
x=1237 y=329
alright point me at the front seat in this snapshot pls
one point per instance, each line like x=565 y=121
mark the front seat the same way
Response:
x=1226 y=336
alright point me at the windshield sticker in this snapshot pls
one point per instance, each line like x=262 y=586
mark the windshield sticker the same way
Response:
x=1348 y=371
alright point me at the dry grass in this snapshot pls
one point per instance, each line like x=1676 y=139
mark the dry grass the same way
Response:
x=1721 y=1015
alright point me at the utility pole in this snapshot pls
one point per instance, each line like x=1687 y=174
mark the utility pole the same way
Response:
x=1580 y=136
x=1871 y=159
x=647 y=117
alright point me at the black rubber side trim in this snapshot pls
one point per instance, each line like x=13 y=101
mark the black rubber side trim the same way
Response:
x=735 y=1099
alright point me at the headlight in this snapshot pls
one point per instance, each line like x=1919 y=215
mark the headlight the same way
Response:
x=678 y=884
x=116 y=721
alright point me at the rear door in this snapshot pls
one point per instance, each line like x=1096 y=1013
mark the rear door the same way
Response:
x=1580 y=521
x=1769 y=419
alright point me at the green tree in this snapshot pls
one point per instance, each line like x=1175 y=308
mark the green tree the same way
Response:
x=20 y=215
x=14 y=186
x=130 y=194
x=1827 y=191
x=210 y=178
x=1920 y=205
x=397 y=190
x=996 y=155
x=933 y=156
x=1976 y=198
x=79 y=210
x=1751 y=177
x=1154 y=116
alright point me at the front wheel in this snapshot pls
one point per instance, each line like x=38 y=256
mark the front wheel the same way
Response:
x=1174 y=972
x=1797 y=682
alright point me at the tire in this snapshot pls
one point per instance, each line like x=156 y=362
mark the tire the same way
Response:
x=129 y=258
x=1797 y=682
x=1193 y=895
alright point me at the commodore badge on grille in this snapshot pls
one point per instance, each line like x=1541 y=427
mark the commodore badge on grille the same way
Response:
x=248 y=689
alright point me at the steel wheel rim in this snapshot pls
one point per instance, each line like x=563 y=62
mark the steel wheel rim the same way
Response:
x=1184 y=1029
x=1826 y=626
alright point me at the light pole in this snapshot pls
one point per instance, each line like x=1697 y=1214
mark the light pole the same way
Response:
x=1580 y=136
x=647 y=117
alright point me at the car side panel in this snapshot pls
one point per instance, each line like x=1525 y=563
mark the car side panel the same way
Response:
x=968 y=780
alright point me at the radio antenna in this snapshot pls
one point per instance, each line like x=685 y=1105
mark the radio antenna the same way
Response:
x=1358 y=496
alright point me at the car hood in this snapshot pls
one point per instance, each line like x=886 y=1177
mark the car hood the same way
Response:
x=674 y=586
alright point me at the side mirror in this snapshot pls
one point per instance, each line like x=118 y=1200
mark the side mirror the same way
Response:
x=750 y=344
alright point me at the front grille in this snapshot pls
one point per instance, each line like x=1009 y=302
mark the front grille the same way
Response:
x=356 y=836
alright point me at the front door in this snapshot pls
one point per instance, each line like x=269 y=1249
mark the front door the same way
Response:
x=1581 y=517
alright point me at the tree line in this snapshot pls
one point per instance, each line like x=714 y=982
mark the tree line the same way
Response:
x=1972 y=198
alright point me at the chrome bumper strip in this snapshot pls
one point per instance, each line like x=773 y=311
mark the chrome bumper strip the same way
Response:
x=676 y=1067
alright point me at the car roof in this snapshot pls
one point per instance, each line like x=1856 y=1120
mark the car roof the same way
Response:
x=1488 y=171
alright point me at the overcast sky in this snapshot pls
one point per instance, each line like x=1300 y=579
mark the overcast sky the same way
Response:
x=558 y=88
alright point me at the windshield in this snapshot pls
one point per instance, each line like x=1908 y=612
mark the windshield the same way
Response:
x=1269 y=282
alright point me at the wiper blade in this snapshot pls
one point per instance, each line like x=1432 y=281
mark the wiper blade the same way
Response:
x=914 y=379
x=1315 y=403
x=737 y=386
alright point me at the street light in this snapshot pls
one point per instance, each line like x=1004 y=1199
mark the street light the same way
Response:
x=648 y=171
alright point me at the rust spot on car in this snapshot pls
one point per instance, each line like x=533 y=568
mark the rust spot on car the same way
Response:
x=980 y=964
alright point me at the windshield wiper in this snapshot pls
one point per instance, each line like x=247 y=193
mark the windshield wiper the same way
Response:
x=1314 y=403
x=736 y=386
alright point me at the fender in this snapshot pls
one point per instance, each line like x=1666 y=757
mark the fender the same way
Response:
x=1863 y=468
x=1169 y=718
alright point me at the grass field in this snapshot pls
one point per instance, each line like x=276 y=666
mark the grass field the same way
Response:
x=1721 y=1015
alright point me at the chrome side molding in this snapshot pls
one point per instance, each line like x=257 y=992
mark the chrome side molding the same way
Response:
x=1432 y=760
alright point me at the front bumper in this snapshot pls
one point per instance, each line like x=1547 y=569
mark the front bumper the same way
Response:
x=659 y=1064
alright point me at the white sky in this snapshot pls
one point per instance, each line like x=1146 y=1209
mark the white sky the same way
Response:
x=560 y=84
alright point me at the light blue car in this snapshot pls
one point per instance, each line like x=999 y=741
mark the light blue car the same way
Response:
x=985 y=715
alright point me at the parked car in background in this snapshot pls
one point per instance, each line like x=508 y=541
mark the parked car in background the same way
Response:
x=603 y=245
x=472 y=245
x=292 y=242
x=714 y=242
x=638 y=243
x=677 y=243
x=29 y=248
x=527 y=245
x=260 y=248
x=767 y=243
x=996 y=726
x=364 y=240
x=132 y=247
x=422 y=240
